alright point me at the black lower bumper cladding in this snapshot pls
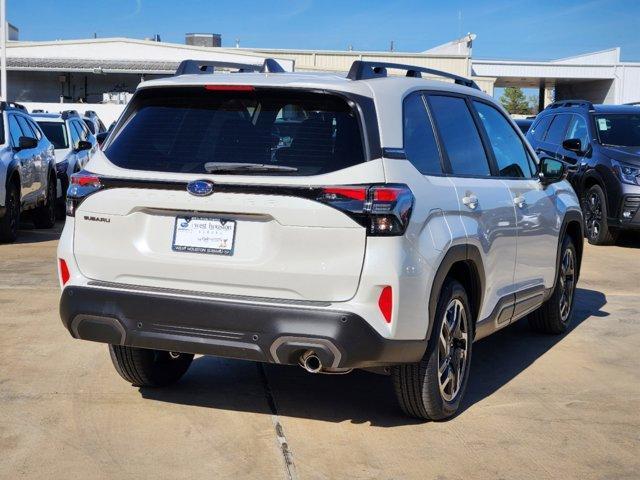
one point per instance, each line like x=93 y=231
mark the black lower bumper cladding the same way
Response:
x=265 y=333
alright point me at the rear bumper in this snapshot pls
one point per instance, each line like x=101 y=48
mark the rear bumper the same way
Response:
x=249 y=331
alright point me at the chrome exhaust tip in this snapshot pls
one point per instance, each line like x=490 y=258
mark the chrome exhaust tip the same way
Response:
x=310 y=362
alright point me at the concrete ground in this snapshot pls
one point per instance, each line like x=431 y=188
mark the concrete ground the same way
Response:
x=536 y=407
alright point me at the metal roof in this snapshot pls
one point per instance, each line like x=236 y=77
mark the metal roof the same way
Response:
x=91 y=66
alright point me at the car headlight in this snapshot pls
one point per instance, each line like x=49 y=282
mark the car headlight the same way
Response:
x=627 y=173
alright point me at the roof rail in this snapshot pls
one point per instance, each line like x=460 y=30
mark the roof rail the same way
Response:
x=90 y=113
x=364 y=70
x=17 y=106
x=208 y=66
x=571 y=103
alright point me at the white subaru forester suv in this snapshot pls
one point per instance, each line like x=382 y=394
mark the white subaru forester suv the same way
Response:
x=336 y=222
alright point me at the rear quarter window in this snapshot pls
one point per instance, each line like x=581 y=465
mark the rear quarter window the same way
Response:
x=183 y=129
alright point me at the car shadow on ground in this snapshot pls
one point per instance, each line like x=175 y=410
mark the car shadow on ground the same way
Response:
x=629 y=240
x=359 y=397
x=29 y=234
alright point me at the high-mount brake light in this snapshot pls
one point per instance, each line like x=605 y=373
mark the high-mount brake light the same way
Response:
x=230 y=88
x=383 y=209
x=81 y=185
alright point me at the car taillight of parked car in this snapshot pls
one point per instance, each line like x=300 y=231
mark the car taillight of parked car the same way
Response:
x=383 y=209
x=81 y=185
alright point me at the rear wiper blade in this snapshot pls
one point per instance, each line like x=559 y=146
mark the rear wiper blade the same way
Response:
x=212 y=167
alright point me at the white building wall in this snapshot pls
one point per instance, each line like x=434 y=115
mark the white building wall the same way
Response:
x=628 y=83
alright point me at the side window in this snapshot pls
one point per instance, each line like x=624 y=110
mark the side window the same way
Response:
x=35 y=129
x=539 y=128
x=459 y=135
x=73 y=131
x=89 y=125
x=25 y=127
x=555 y=135
x=14 y=131
x=419 y=140
x=578 y=129
x=510 y=152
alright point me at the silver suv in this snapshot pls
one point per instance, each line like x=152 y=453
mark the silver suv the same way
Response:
x=27 y=172
x=332 y=221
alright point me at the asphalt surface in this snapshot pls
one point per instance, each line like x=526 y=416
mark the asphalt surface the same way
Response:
x=536 y=407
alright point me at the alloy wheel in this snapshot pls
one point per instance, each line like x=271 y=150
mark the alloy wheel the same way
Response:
x=593 y=215
x=452 y=350
x=567 y=283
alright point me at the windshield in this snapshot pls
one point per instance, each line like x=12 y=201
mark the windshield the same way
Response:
x=266 y=132
x=56 y=133
x=621 y=130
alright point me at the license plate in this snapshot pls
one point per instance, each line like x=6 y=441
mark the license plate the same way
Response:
x=204 y=235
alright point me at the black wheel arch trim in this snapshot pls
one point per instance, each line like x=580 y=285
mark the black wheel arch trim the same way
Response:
x=571 y=216
x=469 y=254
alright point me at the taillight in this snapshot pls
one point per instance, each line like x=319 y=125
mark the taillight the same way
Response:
x=385 y=303
x=383 y=209
x=81 y=185
x=64 y=271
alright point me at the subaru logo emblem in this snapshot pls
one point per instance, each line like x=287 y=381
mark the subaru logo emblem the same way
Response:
x=200 y=188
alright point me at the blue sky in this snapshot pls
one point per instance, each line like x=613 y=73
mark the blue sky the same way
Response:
x=507 y=29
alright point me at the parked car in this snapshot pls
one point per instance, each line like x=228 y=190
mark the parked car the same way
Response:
x=102 y=136
x=73 y=142
x=383 y=242
x=93 y=122
x=524 y=124
x=27 y=172
x=601 y=143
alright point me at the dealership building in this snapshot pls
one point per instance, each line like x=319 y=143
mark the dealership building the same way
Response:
x=109 y=69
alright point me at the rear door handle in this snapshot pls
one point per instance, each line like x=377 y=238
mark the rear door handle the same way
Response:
x=470 y=201
x=520 y=201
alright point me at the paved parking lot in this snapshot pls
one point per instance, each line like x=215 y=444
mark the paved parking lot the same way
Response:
x=536 y=407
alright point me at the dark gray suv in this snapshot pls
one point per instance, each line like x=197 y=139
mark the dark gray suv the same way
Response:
x=601 y=145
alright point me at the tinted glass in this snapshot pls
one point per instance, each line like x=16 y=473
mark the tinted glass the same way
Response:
x=25 y=127
x=181 y=130
x=90 y=124
x=73 y=131
x=511 y=154
x=619 y=130
x=56 y=133
x=539 y=128
x=459 y=135
x=578 y=129
x=35 y=128
x=14 y=131
x=419 y=140
x=556 y=131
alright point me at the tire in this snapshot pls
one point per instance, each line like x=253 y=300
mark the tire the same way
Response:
x=45 y=215
x=596 y=226
x=11 y=221
x=554 y=316
x=149 y=368
x=418 y=385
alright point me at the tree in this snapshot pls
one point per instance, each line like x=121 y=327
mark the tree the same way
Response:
x=514 y=101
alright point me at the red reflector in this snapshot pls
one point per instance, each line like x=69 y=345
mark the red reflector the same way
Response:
x=64 y=271
x=83 y=180
x=230 y=88
x=347 y=192
x=385 y=303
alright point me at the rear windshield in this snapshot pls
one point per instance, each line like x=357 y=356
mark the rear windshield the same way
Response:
x=190 y=129
x=56 y=133
x=619 y=130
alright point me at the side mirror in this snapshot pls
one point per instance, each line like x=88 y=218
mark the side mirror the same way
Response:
x=25 y=143
x=573 y=145
x=551 y=170
x=83 y=145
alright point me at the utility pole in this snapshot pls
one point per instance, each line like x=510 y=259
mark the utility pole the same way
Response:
x=3 y=50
